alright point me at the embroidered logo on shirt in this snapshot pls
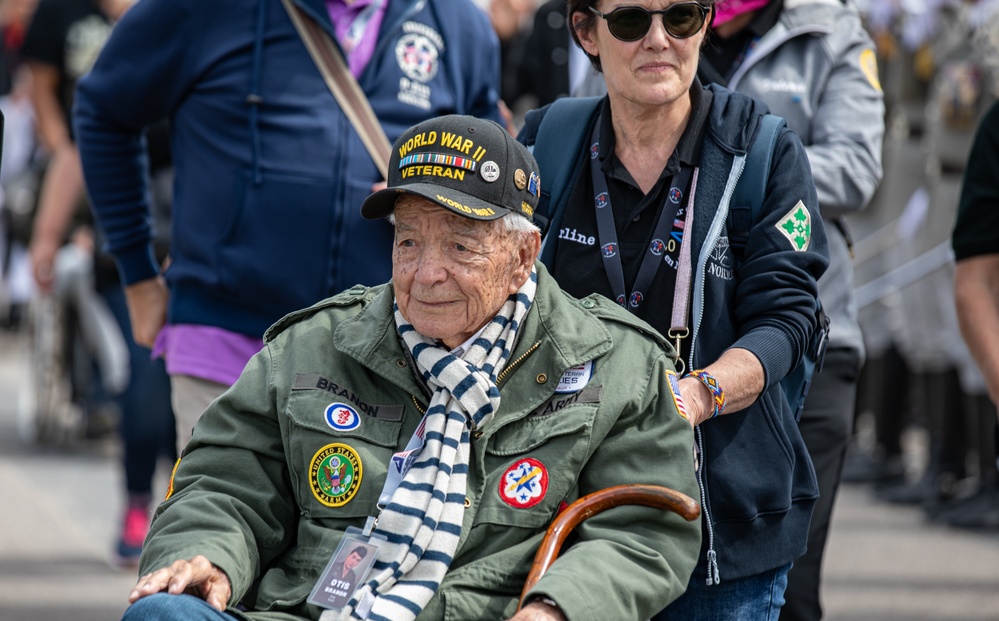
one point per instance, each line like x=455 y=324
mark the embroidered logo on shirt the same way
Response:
x=342 y=417
x=418 y=54
x=674 y=388
x=720 y=260
x=524 y=484
x=796 y=226
x=335 y=474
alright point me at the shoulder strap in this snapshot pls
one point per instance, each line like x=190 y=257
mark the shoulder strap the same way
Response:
x=343 y=85
x=560 y=138
x=747 y=200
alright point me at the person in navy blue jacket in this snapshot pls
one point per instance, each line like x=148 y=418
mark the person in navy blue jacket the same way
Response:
x=644 y=220
x=270 y=173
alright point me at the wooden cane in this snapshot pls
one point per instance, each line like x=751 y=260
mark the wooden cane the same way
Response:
x=586 y=507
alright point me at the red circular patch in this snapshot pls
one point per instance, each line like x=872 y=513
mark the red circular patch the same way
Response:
x=524 y=484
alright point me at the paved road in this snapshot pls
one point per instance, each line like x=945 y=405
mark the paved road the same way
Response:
x=59 y=512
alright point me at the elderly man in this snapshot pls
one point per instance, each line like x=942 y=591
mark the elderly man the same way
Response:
x=451 y=413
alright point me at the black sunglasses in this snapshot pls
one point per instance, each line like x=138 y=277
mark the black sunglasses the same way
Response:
x=631 y=23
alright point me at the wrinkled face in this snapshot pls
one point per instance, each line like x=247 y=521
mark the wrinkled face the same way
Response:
x=352 y=561
x=452 y=274
x=656 y=70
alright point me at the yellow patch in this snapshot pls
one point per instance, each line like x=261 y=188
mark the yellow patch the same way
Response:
x=335 y=474
x=173 y=473
x=869 y=65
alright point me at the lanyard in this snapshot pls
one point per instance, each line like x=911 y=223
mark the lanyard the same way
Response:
x=359 y=25
x=674 y=250
x=661 y=250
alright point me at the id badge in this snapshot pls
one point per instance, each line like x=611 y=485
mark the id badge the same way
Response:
x=347 y=569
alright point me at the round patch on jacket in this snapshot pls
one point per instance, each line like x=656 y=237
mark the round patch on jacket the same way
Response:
x=524 y=484
x=418 y=52
x=335 y=474
x=342 y=417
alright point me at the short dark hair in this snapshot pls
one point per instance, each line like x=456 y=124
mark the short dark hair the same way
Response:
x=361 y=551
x=590 y=18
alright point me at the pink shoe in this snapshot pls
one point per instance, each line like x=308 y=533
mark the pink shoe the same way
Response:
x=135 y=526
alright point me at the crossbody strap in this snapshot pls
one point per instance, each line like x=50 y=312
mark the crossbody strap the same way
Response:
x=343 y=85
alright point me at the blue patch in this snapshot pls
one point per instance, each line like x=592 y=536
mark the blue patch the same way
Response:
x=341 y=417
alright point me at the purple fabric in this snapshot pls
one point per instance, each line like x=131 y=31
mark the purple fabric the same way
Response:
x=205 y=352
x=727 y=10
x=342 y=15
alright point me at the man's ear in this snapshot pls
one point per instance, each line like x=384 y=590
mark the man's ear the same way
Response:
x=527 y=254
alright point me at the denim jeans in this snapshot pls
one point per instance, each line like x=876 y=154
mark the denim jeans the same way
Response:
x=755 y=598
x=147 y=427
x=167 y=607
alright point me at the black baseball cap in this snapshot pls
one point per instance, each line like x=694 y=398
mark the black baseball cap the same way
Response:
x=467 y=165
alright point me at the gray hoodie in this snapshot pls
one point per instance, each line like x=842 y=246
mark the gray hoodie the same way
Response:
x=816 y=68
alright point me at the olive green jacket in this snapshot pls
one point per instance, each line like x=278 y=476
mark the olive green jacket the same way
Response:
x=243 y=493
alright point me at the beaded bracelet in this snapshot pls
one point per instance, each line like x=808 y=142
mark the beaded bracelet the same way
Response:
x=716 y=390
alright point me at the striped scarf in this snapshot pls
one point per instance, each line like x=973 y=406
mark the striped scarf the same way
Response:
x=423 y=521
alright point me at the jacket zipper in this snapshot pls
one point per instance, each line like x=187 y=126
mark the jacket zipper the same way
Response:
x=713 y=576
x=513 y=364
x=417 y=404
x=499 y=379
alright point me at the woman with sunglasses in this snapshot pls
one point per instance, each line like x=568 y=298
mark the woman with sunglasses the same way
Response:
x=647 y=219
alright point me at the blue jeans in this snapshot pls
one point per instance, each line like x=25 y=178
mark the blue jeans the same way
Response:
x=167 y=607
x=147 y=429
x=756 y=598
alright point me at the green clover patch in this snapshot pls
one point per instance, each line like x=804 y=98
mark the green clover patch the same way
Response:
x=796 y=226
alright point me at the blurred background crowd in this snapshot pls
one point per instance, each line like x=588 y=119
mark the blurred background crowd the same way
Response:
x=924 y=422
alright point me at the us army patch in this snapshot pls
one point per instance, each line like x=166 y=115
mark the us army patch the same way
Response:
x=674 y=388
x=796 y=226
x=335 y=474
x=524 y=484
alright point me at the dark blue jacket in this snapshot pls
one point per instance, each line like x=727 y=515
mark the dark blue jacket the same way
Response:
x=270 y=174
x=757 y=482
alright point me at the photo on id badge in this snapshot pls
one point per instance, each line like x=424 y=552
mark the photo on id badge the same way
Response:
x=345 y=572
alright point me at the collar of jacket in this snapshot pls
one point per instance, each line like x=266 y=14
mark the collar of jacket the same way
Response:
x=567 y=334
x=799 y=17
x=395 y=9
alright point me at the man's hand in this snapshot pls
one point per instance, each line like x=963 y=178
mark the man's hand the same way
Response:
x=197 y=577
x=538 y=611
x=147 y=309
